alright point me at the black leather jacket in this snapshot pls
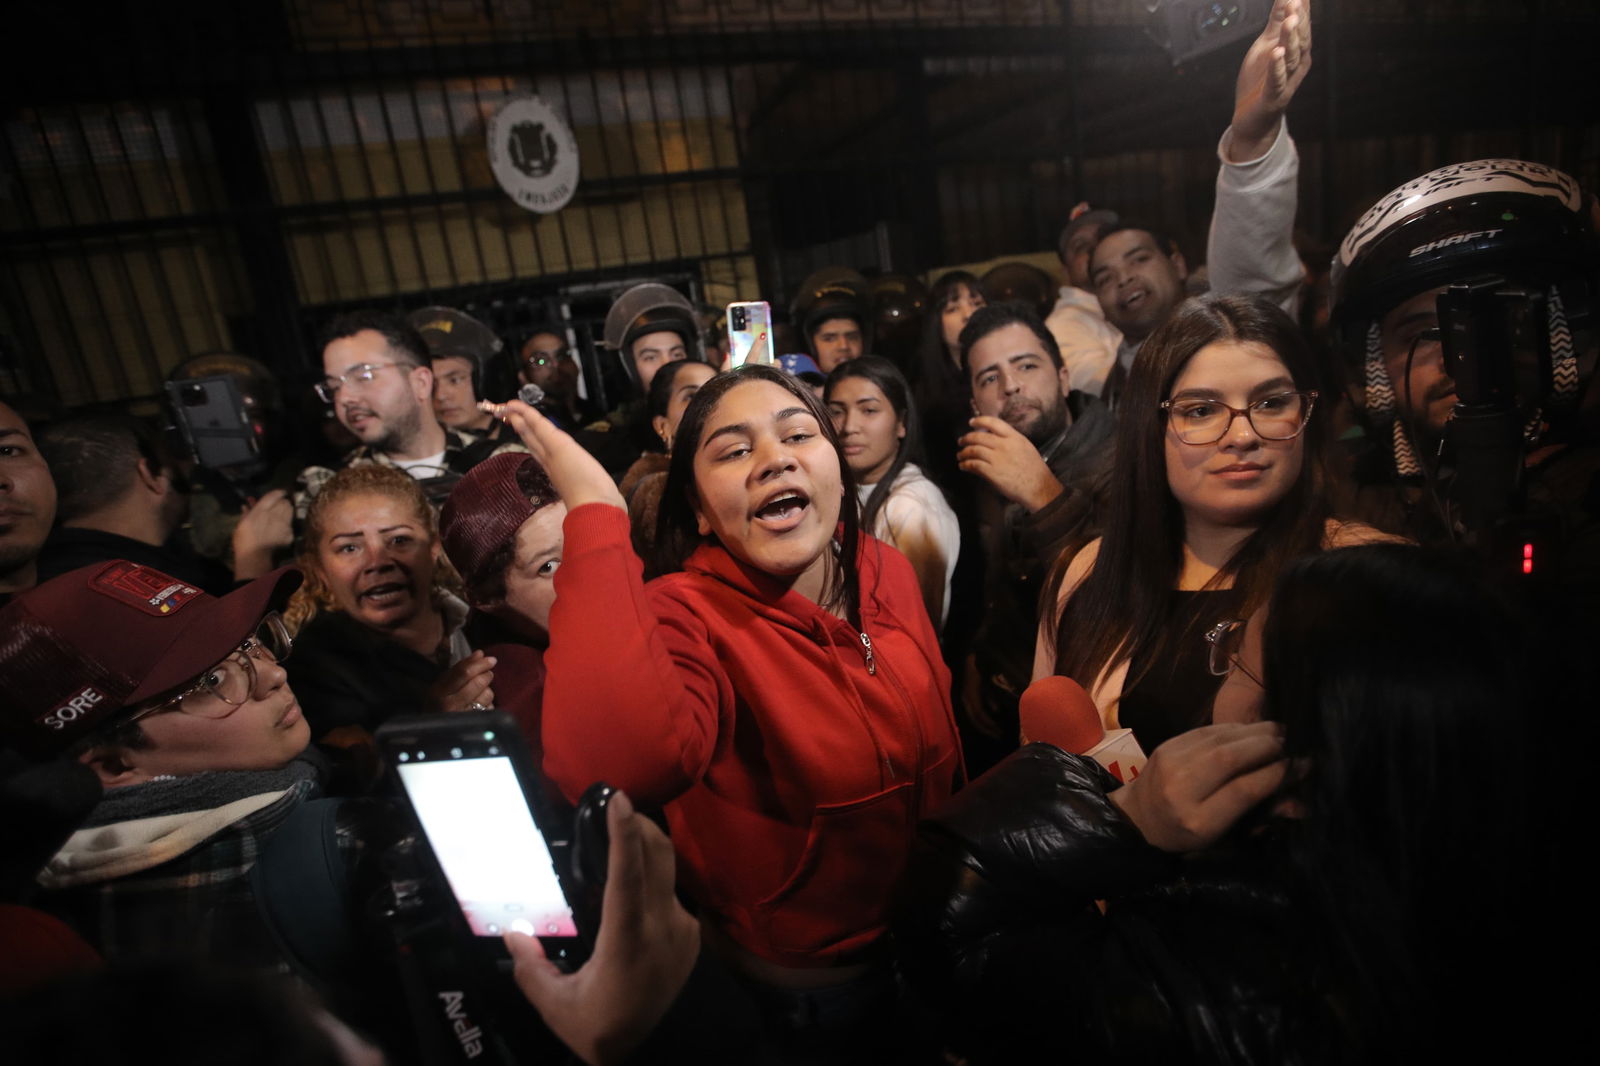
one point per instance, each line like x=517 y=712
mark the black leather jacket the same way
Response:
x=1195 y=959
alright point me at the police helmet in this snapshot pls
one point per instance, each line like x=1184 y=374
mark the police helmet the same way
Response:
x=1020 y=283
x=650 y=308
x=455 y=334
x=832 y=292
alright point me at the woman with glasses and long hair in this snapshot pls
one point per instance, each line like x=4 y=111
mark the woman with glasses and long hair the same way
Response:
x=779 y=690
x=1363 y=870
x=1220 y=479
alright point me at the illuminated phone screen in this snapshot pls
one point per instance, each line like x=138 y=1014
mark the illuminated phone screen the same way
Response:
x=485 y=838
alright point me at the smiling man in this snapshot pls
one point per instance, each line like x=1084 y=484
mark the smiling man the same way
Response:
x=1138 y=272
x=1044 y=452
x=378 y=378
x=1088 y=342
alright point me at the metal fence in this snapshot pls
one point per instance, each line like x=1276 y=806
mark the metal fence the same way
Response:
x=191 y=179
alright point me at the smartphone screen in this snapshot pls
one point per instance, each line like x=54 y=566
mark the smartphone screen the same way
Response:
x=472 y=807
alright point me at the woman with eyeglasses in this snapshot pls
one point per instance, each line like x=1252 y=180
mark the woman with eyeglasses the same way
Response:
x=178 y=704
x=1363 y=869
x=1221 y=478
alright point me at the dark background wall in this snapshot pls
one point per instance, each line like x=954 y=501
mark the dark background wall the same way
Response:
x=179 y=177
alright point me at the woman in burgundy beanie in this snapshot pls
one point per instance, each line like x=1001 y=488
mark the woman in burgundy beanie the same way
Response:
x=501 y=529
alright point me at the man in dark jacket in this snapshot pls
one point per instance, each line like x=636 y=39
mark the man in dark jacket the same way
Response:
x=122 y=494
x=1044 y=454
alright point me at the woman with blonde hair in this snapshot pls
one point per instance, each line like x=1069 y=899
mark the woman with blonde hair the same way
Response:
x=378 y=621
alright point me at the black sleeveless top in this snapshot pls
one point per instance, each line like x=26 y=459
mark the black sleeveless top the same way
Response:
x=1174 y=695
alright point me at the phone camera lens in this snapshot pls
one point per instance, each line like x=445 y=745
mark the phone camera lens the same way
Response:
x=193 y=395
x=738 y=319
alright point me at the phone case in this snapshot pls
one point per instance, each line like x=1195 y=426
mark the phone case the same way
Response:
x=750 y=333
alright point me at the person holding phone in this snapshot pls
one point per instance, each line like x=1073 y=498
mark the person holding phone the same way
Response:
x=780 y=693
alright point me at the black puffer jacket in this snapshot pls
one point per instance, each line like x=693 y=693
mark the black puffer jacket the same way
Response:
x=1195 y=959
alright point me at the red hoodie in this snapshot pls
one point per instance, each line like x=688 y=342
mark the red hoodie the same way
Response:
x=793 y=774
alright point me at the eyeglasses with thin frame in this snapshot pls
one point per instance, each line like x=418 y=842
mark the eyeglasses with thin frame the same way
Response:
x=230 y=684
x=537 y=360
x=1281 y=416
x=1223 y=657
x=360 y=374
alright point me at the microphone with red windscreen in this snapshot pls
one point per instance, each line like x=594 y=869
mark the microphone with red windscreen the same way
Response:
x=1056 y=710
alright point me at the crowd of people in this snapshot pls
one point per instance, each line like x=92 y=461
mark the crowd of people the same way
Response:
x=792 y=612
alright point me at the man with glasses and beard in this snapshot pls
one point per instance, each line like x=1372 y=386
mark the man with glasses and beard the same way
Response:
x=378 y=378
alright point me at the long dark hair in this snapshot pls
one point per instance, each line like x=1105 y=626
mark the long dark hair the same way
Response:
x=1121 y=608
x=677 y=531
x=934 y=364
x=659 y=398
x=897 y=391
x=1398 y=679
x=938 y=387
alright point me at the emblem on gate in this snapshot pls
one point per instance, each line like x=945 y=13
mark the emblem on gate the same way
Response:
x=533 y=154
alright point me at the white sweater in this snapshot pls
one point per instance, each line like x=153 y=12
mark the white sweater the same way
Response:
x=917 y=520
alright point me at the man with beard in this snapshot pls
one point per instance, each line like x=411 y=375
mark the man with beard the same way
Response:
x=1044 y=453
x=379 y=380
x=1499 y=258
x=546 y=360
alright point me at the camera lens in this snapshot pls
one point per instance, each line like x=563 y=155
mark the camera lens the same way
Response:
x=193 y=395
x=738 y=320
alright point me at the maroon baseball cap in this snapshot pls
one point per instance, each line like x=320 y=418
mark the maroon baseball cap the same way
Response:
x=487 y=507
x=109 y=636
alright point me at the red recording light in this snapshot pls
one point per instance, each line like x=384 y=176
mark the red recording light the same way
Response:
x=1527 y=558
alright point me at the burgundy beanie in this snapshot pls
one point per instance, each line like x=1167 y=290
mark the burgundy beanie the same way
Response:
x=487 y=507
x=108 y=636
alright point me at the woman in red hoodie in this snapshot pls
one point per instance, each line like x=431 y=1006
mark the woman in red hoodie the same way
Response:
x=780 y=693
